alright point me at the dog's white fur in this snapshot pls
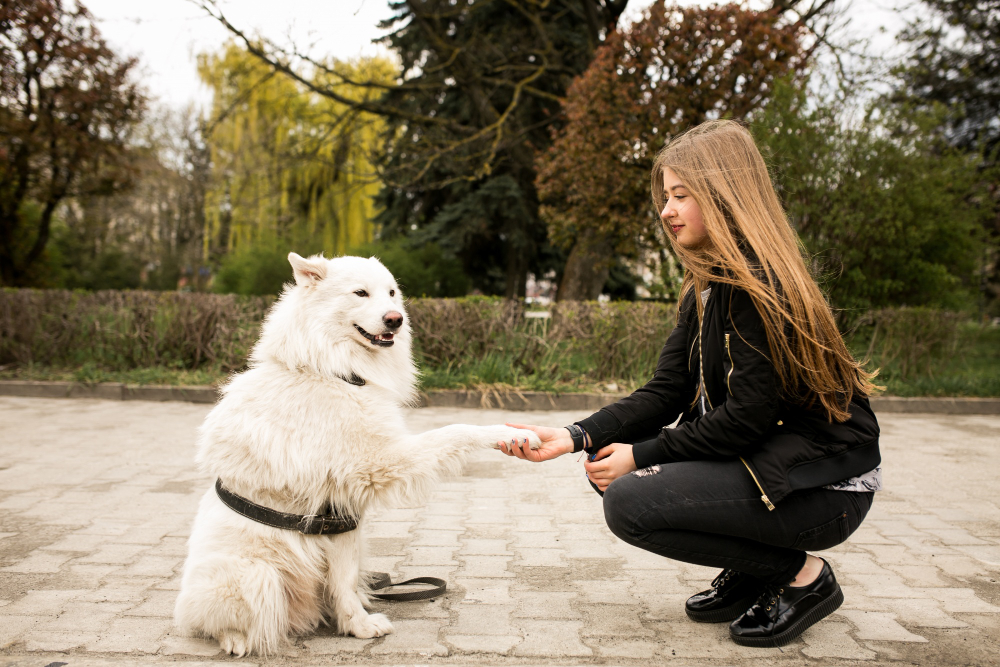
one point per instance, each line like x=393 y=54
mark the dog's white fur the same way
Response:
x=291 y=434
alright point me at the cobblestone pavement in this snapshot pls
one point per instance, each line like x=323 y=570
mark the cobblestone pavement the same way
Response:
x=96 y=498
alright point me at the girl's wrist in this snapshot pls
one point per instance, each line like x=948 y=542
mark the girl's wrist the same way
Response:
x=565 y=442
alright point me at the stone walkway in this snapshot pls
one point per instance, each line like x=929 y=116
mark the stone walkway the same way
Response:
x=96 y=498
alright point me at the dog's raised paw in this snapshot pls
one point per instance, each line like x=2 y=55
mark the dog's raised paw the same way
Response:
x=370 y=625
x=233 y=642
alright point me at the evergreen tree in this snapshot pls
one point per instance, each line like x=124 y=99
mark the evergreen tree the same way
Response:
x=480 y=85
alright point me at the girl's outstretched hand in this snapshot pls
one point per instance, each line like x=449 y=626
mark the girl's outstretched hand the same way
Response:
x=609 y=464
x=555 y=442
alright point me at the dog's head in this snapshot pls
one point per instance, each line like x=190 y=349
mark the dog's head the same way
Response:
x=342 y=316
x=351 y=297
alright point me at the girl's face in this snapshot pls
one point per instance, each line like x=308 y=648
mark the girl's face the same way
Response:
x=681 y=213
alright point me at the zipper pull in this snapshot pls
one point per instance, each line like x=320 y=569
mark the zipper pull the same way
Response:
x=767 y=501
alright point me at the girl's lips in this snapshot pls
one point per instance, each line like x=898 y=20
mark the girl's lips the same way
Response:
x=675 y=227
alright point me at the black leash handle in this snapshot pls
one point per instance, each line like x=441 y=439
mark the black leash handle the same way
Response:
x=380 y=580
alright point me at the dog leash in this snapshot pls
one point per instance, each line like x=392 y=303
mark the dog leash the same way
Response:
x=380 y=580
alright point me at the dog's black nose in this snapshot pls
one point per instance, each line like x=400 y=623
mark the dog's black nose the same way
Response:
x=392 y=319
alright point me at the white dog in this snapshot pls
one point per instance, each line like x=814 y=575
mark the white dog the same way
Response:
x=315 y=422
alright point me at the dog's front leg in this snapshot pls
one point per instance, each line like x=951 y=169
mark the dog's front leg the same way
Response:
x=406 y=470
x=345 y=603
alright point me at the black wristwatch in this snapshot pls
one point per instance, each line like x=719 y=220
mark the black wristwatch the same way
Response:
x=579 y=437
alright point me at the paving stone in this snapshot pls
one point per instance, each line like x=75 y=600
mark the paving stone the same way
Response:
x=176 y=645
x=39 y=562
x=486 y=566
x=609 y=647
x=545 y=638
x=604 y=620
x=483 y=620
x=922 y=613
x=499 y=644
x=548 y=605
x=41 y=603
x=605 y=592
x=416 y=637
x=397 y=529
x=534 y=574
x=12 y=628
x=435 y=538
x=121 y=554
x=337 y=645
x=534 y=557
x=480 y=547
x=960 y=600
x=38 y=640
x=431 y=556
x=490 y=591
x=131 y=635
x=830 y=639
x=158 y=604
x=879 y=625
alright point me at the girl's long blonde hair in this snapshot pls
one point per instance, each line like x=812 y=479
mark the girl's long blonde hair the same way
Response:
x=750 y=244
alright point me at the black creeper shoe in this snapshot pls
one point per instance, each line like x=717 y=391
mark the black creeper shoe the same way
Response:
x=731 y=594
x=782 y=613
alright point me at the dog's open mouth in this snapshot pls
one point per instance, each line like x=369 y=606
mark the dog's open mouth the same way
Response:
x=380 y=340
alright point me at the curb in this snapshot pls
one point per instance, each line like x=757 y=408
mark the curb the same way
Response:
x=456 y=398
x=112 y=391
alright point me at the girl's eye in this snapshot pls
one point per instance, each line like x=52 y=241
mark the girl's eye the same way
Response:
x=392 y=292
x=361 y=292
x=678 y=197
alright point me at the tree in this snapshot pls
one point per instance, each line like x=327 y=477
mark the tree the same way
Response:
x=955 y=64
x=289 y=167
x=67 y=106
x=890 y=214
x=480 y=82
x=671 y=70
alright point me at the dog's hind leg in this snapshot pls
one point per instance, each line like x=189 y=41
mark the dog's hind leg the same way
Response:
x=239 y=602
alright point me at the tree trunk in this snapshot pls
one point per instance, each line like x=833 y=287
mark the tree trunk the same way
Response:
x=587 y=268
x=517 y=273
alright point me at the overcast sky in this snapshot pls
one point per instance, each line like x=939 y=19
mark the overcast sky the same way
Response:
x=166 y=35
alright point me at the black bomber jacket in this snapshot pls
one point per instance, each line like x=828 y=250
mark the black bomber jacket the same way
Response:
x=784 y=446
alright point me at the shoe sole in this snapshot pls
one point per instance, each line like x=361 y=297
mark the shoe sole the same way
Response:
x=814 y=615
x=726 y=614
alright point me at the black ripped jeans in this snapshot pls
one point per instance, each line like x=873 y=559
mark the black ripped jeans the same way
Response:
x=710 y=513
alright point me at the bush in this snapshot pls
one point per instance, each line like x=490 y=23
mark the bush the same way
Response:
x=421 y=270
x=474 y=342
x=256 y=271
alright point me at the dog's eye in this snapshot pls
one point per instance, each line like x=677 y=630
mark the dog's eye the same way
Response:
x=361 y=292
x=392 y=292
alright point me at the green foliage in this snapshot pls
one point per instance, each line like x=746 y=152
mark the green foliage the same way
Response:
x=288 y=164
x=258 y=270
x=422 y=270
x=890 y=215
x=921 y=352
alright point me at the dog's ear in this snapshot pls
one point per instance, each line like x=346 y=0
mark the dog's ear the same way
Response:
x=307 y=272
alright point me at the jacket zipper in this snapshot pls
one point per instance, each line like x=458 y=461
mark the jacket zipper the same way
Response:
x=701 y=371
x=731 y=366
x=763 y=496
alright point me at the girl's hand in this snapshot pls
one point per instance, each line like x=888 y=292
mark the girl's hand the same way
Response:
x=555 y=442
x=609 y=464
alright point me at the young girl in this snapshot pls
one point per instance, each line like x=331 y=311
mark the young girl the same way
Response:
x=776 y=451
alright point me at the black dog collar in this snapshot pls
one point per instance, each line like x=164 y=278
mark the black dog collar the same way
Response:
x=307 y=524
